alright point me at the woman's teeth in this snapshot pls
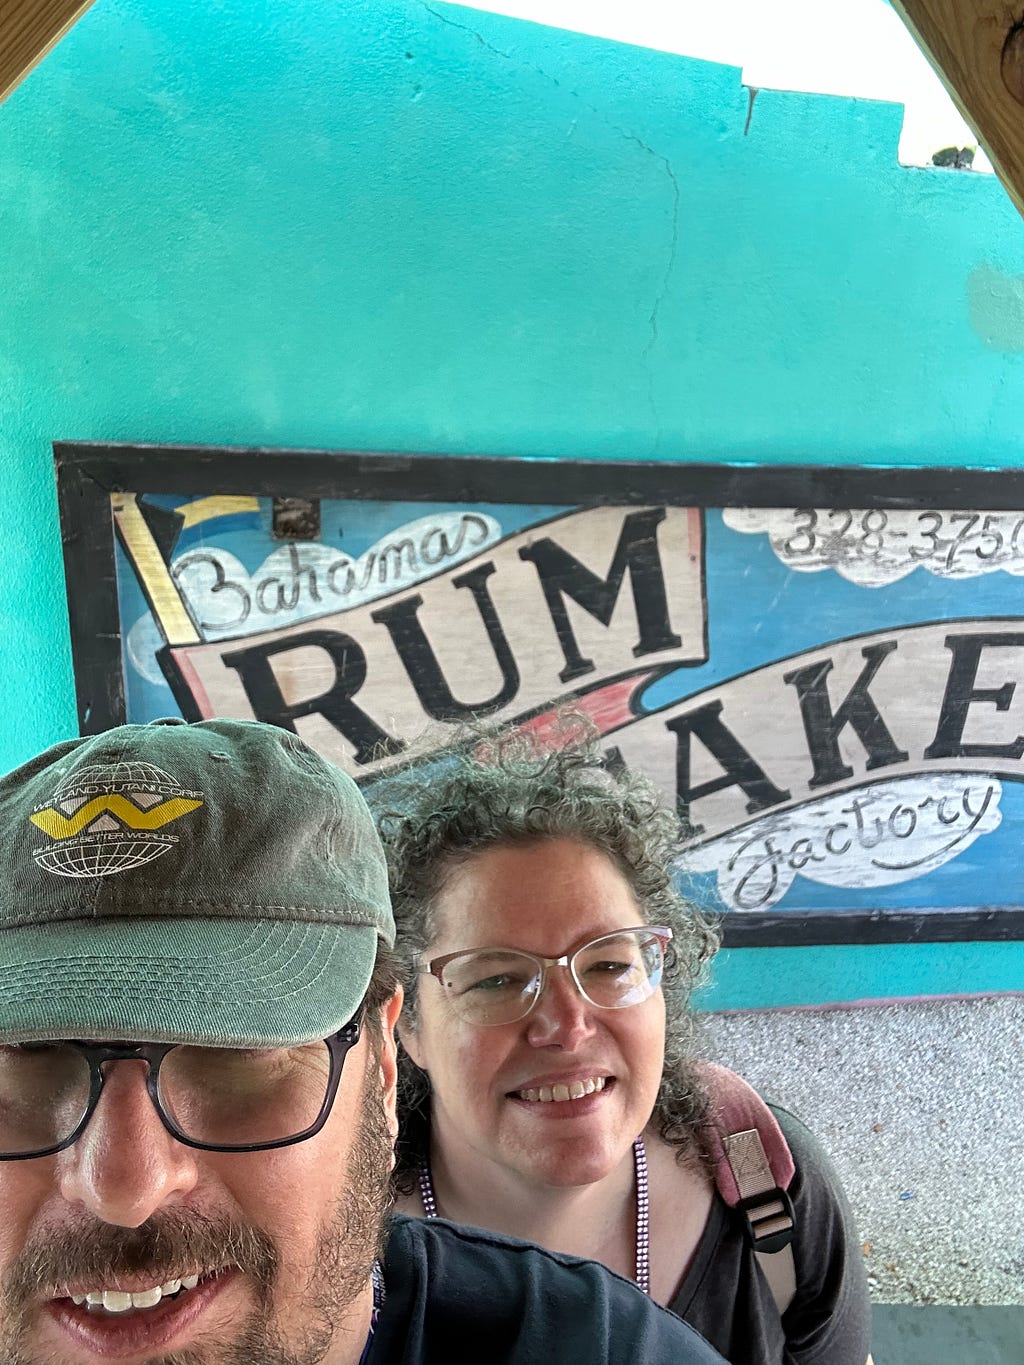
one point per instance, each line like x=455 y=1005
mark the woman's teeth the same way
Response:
x=575 y=1090
x=117 y=1301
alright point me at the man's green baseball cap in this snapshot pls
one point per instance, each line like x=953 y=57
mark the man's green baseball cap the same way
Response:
x=217 y=883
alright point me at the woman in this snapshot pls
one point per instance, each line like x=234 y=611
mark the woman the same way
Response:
x=547 y=1078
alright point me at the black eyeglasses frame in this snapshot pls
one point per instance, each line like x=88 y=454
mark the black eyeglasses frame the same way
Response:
x=96 y=1054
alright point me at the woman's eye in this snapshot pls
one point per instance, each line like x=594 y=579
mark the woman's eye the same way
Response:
x=501 y=982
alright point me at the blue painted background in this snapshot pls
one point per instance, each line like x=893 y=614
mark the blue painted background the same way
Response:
x=404 y=225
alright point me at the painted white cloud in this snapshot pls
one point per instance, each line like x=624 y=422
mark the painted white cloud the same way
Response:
x=876 y=835
x=303 y=580
x=876 y=546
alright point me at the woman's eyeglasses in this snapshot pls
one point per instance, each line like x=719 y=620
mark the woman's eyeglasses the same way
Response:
x=488 y=986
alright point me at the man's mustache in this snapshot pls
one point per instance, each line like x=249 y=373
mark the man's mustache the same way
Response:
x=160 y=1249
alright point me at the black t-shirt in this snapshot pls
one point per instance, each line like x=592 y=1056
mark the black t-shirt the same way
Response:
x=457 y=1294
x=725 y=1296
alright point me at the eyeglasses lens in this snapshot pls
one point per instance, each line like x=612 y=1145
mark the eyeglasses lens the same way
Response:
x=492 y=986
x=619 y=969
x=44 y=1095
x=232 y=1097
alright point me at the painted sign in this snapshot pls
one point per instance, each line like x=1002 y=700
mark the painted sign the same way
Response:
x=358 y=653
x=827 y=694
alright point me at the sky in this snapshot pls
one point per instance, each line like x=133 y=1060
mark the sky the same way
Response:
x=835 y=47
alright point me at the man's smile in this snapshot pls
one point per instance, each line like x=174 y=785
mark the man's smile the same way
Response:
x=122 y=1300
x=119 y=1323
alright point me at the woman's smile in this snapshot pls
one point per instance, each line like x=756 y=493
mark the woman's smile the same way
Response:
x=561 y=1089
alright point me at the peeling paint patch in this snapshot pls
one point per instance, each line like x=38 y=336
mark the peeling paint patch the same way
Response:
x=996 y=304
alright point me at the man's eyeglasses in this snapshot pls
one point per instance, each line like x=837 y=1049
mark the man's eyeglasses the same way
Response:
x=219 y=1099
x=488 y=986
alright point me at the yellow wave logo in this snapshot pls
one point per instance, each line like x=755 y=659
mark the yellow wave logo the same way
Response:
x=107 y=819
x=57 y=826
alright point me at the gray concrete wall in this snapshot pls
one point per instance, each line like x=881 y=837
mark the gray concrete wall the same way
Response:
x=919 y=1104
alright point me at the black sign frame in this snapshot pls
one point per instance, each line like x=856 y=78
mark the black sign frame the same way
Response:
x=88 y=473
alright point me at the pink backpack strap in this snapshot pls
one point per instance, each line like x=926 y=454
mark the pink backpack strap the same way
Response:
x=753 y=1169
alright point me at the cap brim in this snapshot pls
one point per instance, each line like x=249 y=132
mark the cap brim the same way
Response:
x=216 y=982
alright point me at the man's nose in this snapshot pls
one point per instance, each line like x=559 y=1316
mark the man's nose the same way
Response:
x=126 y=1165
x=561 y=1017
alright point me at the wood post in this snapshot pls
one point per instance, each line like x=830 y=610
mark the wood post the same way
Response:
x=977 y=50
x=28 y=29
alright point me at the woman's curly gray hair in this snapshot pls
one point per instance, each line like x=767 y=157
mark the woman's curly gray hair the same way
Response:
x=499 y=790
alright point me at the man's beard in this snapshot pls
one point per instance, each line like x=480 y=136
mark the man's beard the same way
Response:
x=102 y=1254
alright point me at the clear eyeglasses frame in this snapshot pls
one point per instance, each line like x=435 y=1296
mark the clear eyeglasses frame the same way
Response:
x=492 y=986
x=96 y=1055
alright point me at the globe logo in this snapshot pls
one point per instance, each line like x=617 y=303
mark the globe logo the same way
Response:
x=105 y=820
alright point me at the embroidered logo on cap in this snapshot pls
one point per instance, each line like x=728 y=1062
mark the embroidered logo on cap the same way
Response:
x=104 y=820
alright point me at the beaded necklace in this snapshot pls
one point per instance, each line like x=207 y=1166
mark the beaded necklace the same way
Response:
x=643 y=1211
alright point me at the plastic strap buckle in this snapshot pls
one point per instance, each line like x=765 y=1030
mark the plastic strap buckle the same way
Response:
x=770 y=1219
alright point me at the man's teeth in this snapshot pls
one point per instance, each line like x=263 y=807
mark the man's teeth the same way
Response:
x=118 y=1301
x=575 y=1090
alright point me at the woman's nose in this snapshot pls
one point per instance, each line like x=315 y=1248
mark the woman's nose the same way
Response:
x=561 y=1017
x=126 y=1165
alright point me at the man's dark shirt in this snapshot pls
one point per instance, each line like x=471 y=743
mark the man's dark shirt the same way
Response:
x=459 y=1294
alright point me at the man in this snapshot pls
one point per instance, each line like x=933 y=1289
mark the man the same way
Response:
x=197 y=1084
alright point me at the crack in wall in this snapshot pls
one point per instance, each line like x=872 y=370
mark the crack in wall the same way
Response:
x=752 y=93
x=666 y=278
x=465 y=28
x=663 y=288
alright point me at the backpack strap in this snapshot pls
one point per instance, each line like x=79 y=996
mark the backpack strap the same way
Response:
x=753 y=1169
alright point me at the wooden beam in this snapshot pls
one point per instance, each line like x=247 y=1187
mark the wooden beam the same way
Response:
x=977 y=50
x=28 y=30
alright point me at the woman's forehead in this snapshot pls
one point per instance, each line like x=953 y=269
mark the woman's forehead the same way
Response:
x=543 y=897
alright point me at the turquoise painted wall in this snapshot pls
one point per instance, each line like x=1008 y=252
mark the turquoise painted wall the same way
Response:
x=394 y=224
